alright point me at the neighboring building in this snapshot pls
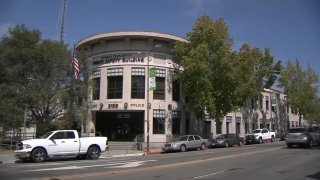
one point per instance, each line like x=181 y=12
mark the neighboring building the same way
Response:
x=118 y=64
x=269 y=112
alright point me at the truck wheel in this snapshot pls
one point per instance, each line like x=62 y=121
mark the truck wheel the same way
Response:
x=272 y=139
x=183 y=148
x=289 y=145
x=260 y=140
x=203 y=146
x=38 y=155
x=93 y=152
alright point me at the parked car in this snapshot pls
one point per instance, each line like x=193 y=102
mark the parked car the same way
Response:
x=61 y=143
x=260 y=135
x=227 y=140
x=186 y=142
x=303 y=136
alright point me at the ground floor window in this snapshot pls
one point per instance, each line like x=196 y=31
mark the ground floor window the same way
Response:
x=176 y=119
x=254 y=126
x=187 y=123
x=238 y=123
x=218 y=128
x=238 y=128
x=246 y=128
x=159 y=121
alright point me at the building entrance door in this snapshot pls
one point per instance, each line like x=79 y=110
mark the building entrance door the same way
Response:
x=121 y=125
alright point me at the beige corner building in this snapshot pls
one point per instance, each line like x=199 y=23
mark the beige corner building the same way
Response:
x=124 y=105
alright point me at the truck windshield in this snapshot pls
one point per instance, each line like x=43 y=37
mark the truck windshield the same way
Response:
x=297 y=130
x=46 y=135
x=222 y=136
x=257 y=131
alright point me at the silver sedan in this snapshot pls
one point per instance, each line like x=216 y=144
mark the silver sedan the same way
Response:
x=186 y=142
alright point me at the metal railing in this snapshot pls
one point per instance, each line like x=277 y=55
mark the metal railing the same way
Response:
x=10 y=140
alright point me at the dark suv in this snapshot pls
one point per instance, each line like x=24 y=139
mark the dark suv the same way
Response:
x=303 y=136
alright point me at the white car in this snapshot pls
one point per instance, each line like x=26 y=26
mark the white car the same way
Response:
x=61 y=143
x=260 y=135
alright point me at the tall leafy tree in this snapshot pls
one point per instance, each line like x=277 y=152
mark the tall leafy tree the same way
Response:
x=34 y=77
x=313 y=115
x=301 y=87
x=205 y=79
x=215 y=78
x=16 y=50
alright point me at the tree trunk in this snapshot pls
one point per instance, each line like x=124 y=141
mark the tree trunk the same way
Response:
x=300 y=125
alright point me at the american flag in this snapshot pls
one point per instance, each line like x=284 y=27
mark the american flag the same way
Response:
x=75 y=64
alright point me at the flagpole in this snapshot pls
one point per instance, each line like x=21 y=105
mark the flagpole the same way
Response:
x=72 y=88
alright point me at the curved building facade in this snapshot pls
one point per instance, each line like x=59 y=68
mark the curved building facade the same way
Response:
x=126 y=101
x=123 y=104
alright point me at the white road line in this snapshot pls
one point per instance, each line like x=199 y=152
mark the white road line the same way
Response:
x=72 y=162
x=211 y=174
x=131 y=164
x=284 y=156
x=125 y=164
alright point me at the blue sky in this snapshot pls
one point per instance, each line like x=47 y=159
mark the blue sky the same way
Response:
x=290 y=28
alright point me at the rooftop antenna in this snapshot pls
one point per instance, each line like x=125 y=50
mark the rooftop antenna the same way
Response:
x=62 y=20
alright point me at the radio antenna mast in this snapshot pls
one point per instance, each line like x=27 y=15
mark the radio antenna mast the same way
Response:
x=62 y=20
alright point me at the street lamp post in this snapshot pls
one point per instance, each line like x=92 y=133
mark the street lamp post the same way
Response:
x=148 y=99
x=148 y=108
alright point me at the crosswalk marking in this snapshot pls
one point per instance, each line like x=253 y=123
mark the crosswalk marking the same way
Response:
x=120 y=164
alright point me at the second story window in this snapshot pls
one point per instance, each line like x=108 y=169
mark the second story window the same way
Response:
x=115 y=83
x=137 y=83
x=159 y=93
x=96 y=88
x=267 y=103
x=261 y=102
x=96 y=85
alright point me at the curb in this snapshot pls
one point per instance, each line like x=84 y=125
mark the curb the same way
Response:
x=151 y=153
x=122 y=155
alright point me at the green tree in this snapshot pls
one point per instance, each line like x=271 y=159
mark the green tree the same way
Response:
x=313 y=115
x=36 y=75
x=215 y=78
x=205 y=79
x=301 y=87
x=254 y=70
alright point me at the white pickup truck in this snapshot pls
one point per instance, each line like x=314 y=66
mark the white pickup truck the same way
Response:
x=260 y=135
x=61 y=143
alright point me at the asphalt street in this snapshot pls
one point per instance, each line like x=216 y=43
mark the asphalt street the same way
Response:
x=261 y=161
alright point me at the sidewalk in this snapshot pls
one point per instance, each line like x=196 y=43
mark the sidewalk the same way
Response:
x=7 y=156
